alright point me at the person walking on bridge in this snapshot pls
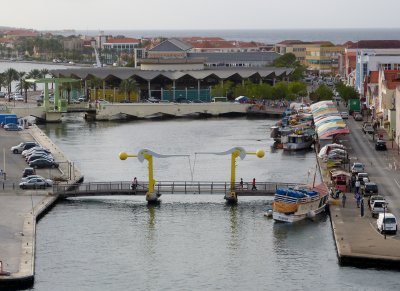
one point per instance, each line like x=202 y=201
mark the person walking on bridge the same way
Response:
x=344 y=200
x=254 y=184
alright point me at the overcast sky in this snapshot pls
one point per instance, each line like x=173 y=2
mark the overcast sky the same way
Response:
x=201 y=14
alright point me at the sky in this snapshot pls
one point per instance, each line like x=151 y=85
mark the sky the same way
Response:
x=200 y=14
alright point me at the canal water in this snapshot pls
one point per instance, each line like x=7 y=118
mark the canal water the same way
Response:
x=187 y=242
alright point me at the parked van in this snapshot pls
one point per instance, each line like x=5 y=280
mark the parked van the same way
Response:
x=386 y=223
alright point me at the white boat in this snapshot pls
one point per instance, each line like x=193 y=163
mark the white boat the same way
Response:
x=297 y=141
x=294 y=204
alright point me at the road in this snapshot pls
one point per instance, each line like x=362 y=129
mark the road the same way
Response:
x=383 y=167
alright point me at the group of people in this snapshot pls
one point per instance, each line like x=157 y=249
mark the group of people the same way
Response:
x=253 y=184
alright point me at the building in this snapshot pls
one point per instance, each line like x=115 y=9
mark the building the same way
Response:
x=121 y=44
x=372 y=60
x=73 y=44
x=298 y=48
x=173 y=54
x=323 y=59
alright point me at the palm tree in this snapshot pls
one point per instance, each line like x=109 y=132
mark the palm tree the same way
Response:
x=95 y=83
x=10 y=76
x=44 y=73
x=34 y=74
x=128 y=86
x=21 y=78
x=2 y=80
x=24 y=85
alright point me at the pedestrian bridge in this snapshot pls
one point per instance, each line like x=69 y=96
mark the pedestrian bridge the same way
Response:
x=166 y=187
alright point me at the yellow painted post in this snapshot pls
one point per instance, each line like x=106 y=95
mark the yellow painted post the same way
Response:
x=152 y=182
x=234 y=155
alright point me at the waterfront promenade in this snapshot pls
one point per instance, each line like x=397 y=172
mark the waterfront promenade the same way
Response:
x=20 y=209
x=358 y=241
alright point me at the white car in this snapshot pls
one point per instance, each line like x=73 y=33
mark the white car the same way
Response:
x=18 y=97
x=378 y=206
x=357 y=168
x=386 y=223
x=344 y=115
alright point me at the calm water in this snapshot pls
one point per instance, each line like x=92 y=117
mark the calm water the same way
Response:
x=188 y=242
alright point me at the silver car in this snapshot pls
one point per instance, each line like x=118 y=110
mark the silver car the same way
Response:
x=36 y=183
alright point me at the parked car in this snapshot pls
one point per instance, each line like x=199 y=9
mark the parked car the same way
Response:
x=368 y=128
x=369 y=189
x=344 y=115
x=357 y=168
x=378 y=206
x=372 y=198
x=43 y=163
x=36 y=183
x=12 y=127
x=358 y=117
x=28 y=172
x=27 y=178
x=2 y=94
x=380 y=145
x=363 y=178
x=18 y=97
x=386 y=223
x=34 y=149
x=39 y=156
x=23 y=146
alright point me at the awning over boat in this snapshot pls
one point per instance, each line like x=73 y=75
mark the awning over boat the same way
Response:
x=327 y=120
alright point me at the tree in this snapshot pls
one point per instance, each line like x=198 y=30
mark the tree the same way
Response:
x=323 y=92
x=21 y=78
x=44 y=72
x=34 y=74
x=280 y=91
x=298 y=73
x=10 y=76
x=346 y=92
x=128 y=86
x=297 y=89
x=224 y=89
x=25 y=86
x=2 y=80
x=287 y=60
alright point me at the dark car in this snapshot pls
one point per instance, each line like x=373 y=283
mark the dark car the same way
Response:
x=370 y=188
x=39 y=156
x=43 y=163
x=380 y=145
x=28 y=172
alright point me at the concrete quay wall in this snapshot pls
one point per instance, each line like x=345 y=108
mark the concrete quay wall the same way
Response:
x=20 y=210
x=358 y=243
x=143 y=110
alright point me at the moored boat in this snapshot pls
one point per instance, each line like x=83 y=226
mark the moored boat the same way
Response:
x=294 y=204
x=298 y=140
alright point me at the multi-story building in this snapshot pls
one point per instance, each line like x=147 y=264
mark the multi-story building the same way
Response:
x=323 y=59
x=298 y=48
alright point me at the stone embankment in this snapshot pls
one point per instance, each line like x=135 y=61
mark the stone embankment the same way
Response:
x=21 y=209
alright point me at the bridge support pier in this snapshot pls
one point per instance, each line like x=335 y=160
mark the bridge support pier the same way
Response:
x=152 y=197
x=231 y=197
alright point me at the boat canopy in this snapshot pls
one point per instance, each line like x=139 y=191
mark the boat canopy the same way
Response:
x=327 y=120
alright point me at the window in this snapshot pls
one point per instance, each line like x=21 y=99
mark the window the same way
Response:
x=387 y=66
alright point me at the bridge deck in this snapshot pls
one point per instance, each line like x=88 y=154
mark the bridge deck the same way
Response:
x=124 y=188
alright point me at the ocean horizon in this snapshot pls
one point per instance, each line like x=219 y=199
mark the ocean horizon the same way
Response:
x=269 y=36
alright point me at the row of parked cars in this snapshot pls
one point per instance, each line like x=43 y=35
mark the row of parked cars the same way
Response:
x=37 y=157
x=386 y=222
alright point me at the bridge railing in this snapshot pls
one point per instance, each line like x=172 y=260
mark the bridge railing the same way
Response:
x=166 y=187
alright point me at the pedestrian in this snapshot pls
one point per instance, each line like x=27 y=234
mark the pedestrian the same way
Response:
x=344 y=200
x=358 y=199
x=362 y=207
x=134 y=184
x=241 y=184
x=254 y=184
x=357 y=184
x=1 y=173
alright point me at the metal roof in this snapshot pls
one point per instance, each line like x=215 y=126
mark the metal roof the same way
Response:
x=126 y=73
x=171 y=44
x=236 y=56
